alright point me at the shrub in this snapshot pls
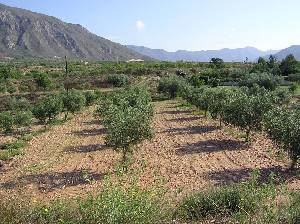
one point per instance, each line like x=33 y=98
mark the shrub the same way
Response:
x=7 y=121
x=23 y=118
x=48 y=108
x=118 y=80
x=238 y=200
x=18 y=104
x=172 y=85
x=265 y=80
x=73 y=101
x=293 y=77
x=293 y=88
x=282 y=126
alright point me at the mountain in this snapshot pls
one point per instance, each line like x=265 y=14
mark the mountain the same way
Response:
x=295 y=50
x=27 y=34
x=226 y=54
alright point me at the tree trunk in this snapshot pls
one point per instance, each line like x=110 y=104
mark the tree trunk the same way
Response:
x=294 y=163
x=247 y=135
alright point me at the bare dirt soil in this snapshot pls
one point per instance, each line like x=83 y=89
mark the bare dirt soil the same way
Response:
x=188 y=153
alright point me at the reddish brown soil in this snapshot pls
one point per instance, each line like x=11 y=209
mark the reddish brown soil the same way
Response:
x=188 y=152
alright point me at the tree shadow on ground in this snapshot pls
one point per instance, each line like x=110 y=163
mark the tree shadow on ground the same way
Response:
x=48 y=182
x=230 y=176
x=93 y=122
x=191 y=130
x=90 y=132
x=185 y=119
x=174 y=112
x=86 y=148
x=211 y=146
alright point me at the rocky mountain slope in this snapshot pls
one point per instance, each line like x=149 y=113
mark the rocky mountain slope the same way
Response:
x=27 y=34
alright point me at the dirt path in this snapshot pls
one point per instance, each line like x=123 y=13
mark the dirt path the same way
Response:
x=188 y=152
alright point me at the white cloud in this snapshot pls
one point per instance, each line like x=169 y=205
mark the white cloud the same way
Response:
x=140 y=25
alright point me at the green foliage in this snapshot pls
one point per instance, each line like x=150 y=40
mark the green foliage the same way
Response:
x=7 y=121
x=113 y=205
x=282 y=126
x=48 y=108
x=91 y=97
x=171 y=85
x=118 y=80
x=42 y=80
x=265 y=80
x=246 y=109
x=23 y=118
x=18 y=104
x=229 y=202
x=73 y=101
x=217 y=62
x=294 y=77
x=127 y=116
x=289 y=65
x=196 y=81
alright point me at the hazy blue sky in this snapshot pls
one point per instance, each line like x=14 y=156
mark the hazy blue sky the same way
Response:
x=181 y=24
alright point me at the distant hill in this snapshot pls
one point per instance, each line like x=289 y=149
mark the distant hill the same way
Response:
x=295 y=50
x=228 y=55
x=27 y=34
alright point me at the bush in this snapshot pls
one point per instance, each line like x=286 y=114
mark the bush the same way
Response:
x=265 y=80
x=7 y=121
x=48 y=108
x=118 y=80
x=293 y=88
x=172 y=85
x=196 y=81
x=23 y=118
x=73 y=101
x=229 y=202
x=114 y=204
x=293 y=77
x=282 y=126
x=18 y=104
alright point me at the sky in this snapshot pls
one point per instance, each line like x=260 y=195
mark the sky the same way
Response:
x=181 y=24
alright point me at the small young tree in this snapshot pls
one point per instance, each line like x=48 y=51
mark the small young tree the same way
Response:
x=48 y=108
x=91 y=97
x=128 y=121
x=282 y=126
x=218 y=99
x=42 y=80
x=6 y=121
x=73 y=101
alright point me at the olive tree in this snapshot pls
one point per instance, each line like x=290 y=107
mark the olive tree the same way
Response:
x=127 y=116
x=73 y=101
x=246 y=110
x=48 y=108
x=282 y=126
x=171 y=85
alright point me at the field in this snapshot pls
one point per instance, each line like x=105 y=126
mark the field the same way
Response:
x=190 y=152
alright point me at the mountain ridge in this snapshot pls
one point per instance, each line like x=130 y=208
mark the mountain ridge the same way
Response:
x=29 y=34
x=228 y=55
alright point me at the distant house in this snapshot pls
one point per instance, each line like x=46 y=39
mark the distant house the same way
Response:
x=135 y=60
